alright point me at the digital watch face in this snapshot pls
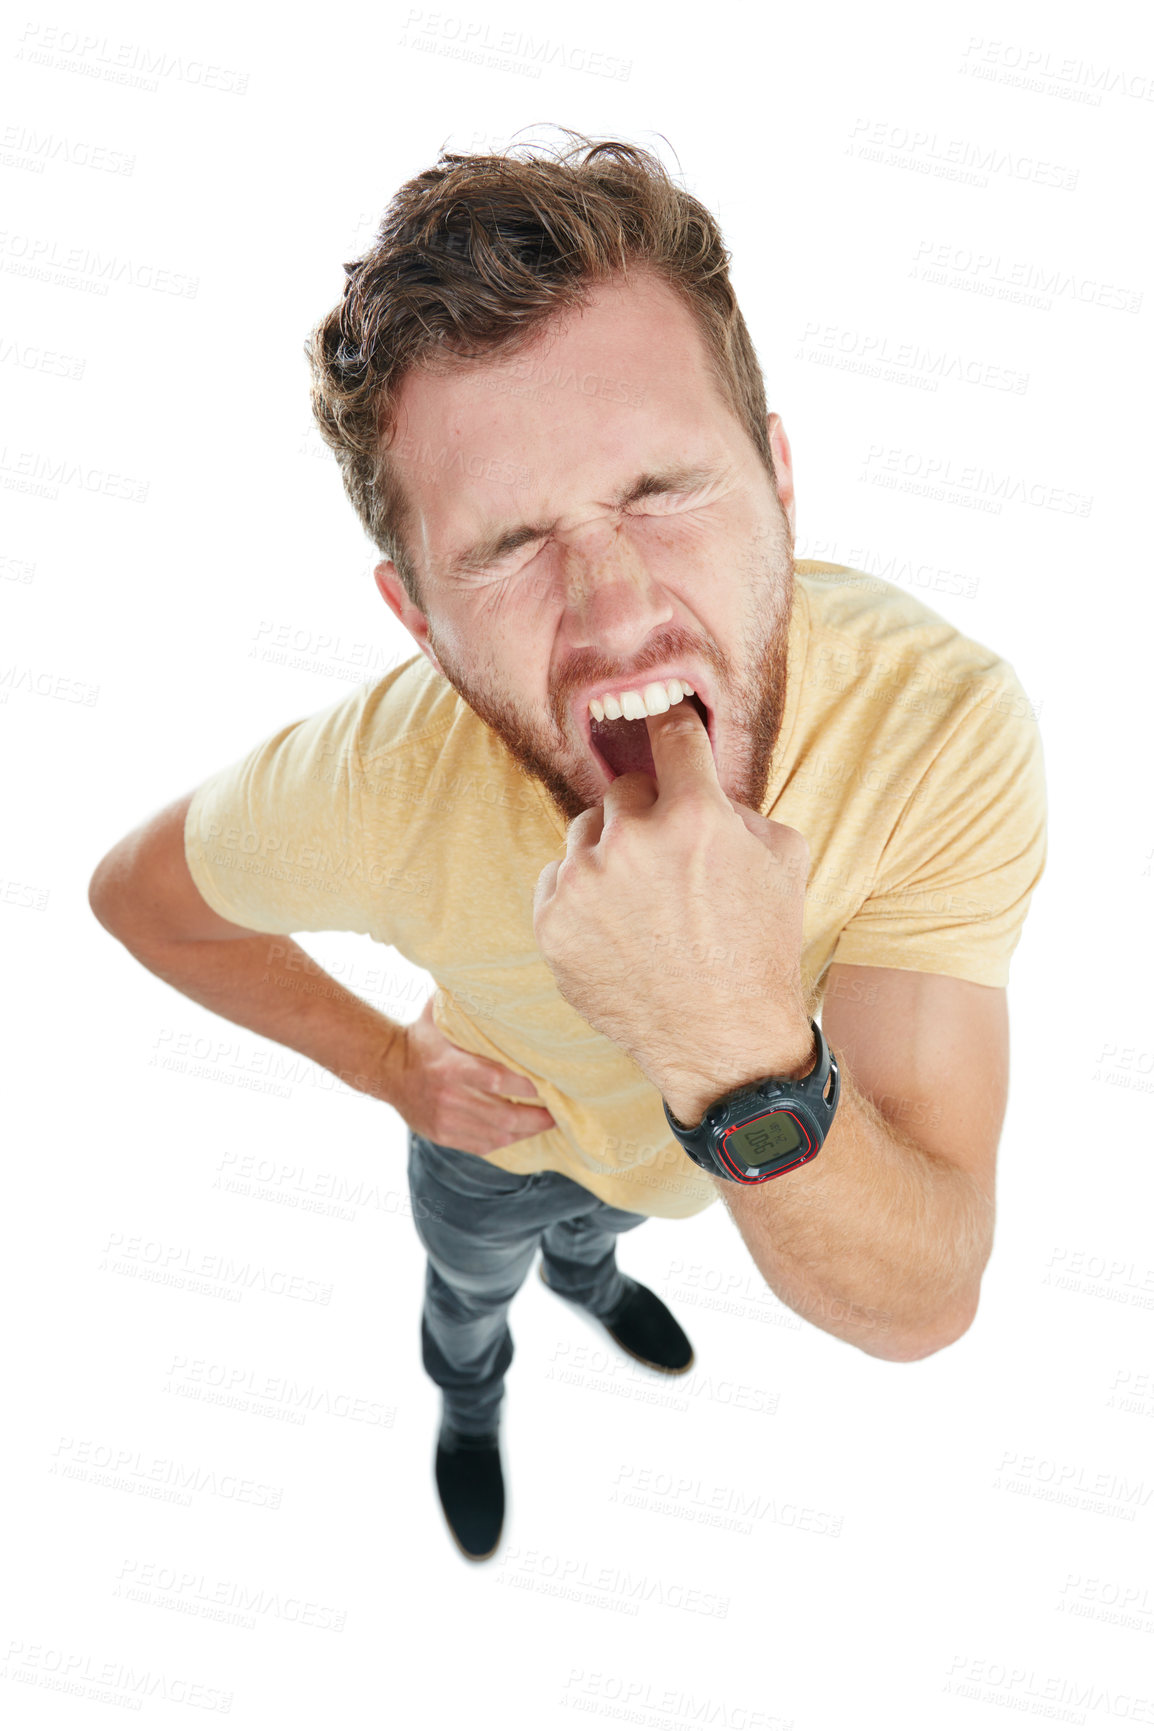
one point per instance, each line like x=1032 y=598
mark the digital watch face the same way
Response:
x=773 y=1136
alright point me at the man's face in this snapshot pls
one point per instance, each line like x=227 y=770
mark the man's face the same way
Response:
x=695 y=581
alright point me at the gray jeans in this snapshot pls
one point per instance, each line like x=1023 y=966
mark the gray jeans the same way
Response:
x=480 y=1227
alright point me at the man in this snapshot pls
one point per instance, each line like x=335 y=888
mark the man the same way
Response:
x=551 y=421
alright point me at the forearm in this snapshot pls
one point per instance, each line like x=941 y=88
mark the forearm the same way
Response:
x=874 y=1240
x=272 y=986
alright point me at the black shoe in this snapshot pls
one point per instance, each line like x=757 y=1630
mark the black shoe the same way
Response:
x=471 y=1489
x=644 y=1328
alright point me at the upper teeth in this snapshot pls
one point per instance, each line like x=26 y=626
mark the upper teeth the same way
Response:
x=653 y=699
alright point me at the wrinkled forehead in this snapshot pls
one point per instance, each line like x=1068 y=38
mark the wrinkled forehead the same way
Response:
x=620 y=386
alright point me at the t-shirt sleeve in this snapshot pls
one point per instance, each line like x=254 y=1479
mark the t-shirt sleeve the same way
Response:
x=956 y=877
x=274 y=841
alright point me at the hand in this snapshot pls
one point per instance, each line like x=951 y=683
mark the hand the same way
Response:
x=673 y=924
x=453 y=1097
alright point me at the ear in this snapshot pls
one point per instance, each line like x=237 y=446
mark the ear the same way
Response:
x=414 y=621
x=783 y=466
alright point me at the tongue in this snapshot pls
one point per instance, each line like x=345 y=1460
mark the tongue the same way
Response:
x=624 y=745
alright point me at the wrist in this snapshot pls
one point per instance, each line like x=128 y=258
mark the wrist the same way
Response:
x=689 y=1098
x=387 y=1079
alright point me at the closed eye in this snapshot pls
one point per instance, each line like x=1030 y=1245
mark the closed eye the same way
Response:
x=673 y=500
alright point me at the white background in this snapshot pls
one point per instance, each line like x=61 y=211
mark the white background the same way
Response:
x=795 y=1534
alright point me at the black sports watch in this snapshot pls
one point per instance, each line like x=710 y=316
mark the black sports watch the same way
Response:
x=765 y=1128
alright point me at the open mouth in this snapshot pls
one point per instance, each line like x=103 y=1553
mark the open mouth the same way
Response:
x=622 y=746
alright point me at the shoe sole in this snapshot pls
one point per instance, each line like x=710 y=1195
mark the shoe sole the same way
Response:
x=473 y=1556
x=665 y=1369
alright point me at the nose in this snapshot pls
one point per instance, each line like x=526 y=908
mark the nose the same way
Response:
x=614 y=603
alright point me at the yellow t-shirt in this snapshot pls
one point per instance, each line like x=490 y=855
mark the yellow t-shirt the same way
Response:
x=909 y=757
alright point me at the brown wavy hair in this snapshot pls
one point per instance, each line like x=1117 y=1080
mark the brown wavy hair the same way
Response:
x=472 y=258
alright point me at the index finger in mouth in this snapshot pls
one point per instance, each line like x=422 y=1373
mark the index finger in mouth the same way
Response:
x=682 y=754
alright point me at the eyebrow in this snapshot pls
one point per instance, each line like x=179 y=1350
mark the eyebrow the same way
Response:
x=495 y=545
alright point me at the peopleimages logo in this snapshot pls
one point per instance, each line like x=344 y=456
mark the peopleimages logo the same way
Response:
x=960 y=159
x=1036 y=68
x=879 y=356
x=126 y=63
x=474 y=40
x=48 y=259
x=968 y=483
x=1023 y=282
x=25 y=147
